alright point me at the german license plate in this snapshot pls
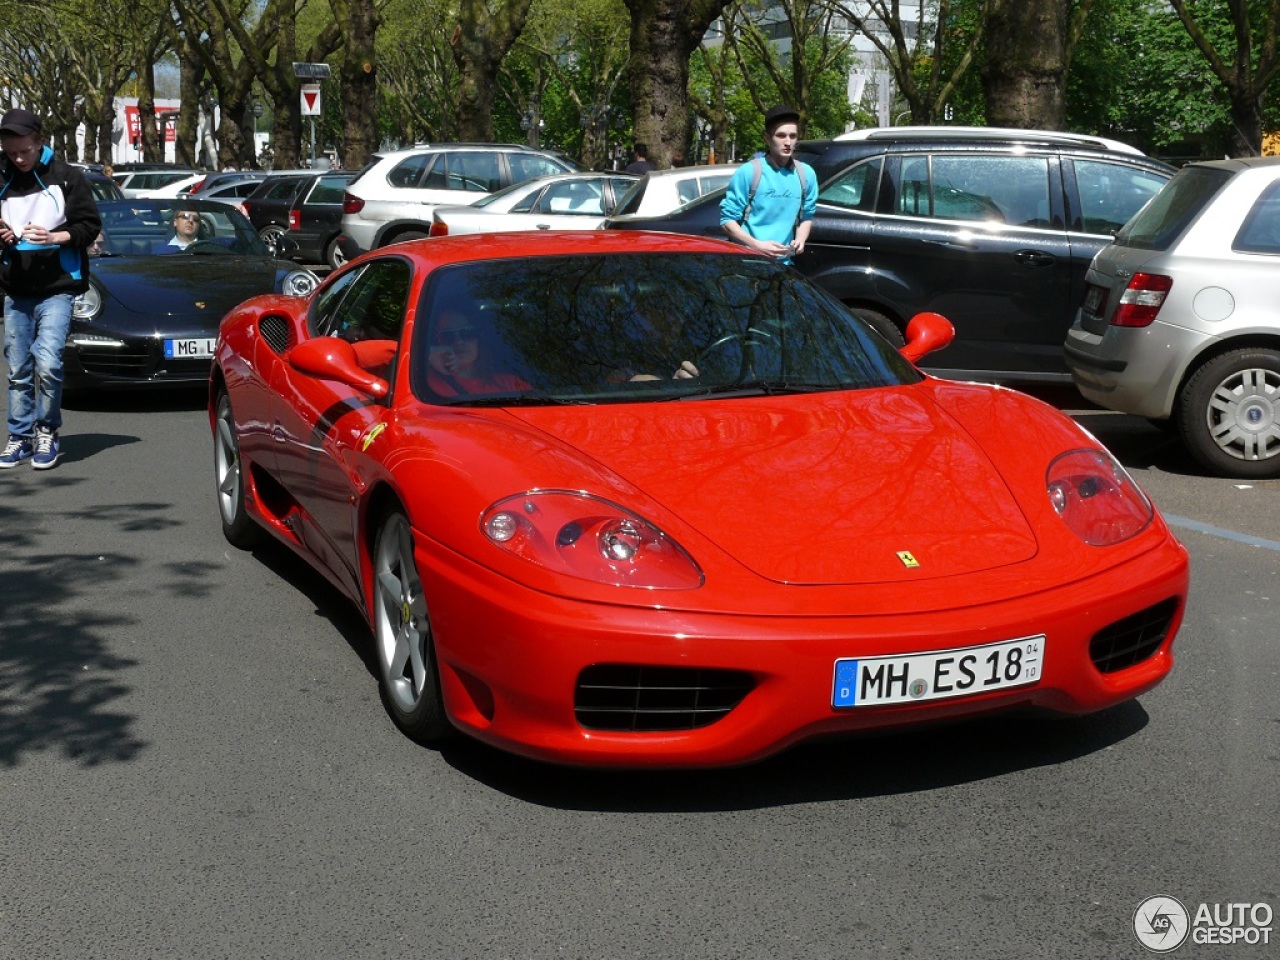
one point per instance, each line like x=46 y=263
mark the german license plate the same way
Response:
x=938 y=674
x=196 y=348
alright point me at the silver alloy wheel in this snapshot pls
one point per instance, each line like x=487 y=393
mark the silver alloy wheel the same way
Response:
x=226 y=466
x=334 y=254
x=401 y=630
x=271 y=235
x=1243 y=414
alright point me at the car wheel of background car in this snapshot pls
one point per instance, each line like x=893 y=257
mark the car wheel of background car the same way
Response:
x=333 y=254
x=271 y=235
x=881 y=325
x=239 y=529
x=407 y=236
x=1229 y=413
x=402 y=634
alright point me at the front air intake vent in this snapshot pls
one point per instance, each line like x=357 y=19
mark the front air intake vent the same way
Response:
x=639 y=698
x=276 y=331
x=1133 y=639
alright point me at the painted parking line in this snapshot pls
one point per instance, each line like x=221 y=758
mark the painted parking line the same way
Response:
x=1189 y=524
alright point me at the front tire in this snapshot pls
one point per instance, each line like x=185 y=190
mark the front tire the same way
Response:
x=1229 y=414
x=407 y=674
x=237 y=526
x=882 y=325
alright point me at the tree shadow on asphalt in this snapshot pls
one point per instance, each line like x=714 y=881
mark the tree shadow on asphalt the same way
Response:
x=59 y=681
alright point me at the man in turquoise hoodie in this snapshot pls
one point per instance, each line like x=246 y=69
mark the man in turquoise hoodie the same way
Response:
x=771 y=200
x=48 y=219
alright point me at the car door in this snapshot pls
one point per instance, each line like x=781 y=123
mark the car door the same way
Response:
x=319 y=425
x=838 y=251
x=978 y=237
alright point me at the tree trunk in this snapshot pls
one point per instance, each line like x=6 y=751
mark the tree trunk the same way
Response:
x=480 y=43
x=664 y=34
x=190 y=74
x=358 y=75
x=147 y=116
x=1025 y=74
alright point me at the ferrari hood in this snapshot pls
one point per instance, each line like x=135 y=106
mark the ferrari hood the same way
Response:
x=838 y=488
x=183 y=286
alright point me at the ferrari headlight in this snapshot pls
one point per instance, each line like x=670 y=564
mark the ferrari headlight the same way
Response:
x=1096 y=498
x=590 y=538
x=88 y=305
x=299 y=283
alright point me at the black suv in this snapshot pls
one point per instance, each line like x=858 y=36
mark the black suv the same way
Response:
x=268 y=206
x=992 y=228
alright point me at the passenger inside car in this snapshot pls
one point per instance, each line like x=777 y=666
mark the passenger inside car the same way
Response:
x=461 y=357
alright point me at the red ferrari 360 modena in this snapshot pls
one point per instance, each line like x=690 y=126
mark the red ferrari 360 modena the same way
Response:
x=639 y=499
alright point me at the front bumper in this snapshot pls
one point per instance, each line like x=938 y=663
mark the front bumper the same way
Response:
x=102 y=360
x=511 y=660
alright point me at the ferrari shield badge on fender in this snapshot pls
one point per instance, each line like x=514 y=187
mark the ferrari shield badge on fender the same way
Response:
x=371 y=436
x=907 y=559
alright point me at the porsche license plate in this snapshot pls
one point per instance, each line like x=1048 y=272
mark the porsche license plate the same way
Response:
x=199 y=348
x=938 y=674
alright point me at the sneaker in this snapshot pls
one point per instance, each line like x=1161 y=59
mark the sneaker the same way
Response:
x=15 y=452
x=47 y=451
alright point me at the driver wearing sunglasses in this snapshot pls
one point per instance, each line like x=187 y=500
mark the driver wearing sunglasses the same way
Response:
x=186 y=230
x=460 y=359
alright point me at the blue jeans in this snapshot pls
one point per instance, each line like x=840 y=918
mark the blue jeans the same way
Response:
x=35 y=331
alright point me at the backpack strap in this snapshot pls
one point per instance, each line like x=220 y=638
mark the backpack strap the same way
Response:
x=756 y=172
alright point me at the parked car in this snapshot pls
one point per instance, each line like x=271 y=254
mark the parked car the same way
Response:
x=661 y=191
x=1179 y=322
x=992 y=228
x=175 y=188
x=103 y=187
x=568 y=552
x=563 y=201
x=234 y=192
x=151 y=313
x=148 y=177
x=393 y=197
x=315 y=221
x=268 y=206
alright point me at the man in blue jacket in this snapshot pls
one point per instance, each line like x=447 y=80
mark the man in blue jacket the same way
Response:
x=771 y=200
x=48 y=219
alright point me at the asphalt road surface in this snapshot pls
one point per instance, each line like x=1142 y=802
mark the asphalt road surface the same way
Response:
x=194 y=763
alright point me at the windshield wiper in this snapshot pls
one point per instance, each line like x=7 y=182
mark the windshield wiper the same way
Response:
x=762 y=388
x=525 y=398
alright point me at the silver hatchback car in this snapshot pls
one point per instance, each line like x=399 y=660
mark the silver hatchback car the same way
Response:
x=1181 y=317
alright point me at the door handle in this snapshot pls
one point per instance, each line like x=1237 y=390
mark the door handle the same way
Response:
x=1034 y=258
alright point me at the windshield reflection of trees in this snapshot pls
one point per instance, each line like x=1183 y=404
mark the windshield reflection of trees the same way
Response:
x=582 y=327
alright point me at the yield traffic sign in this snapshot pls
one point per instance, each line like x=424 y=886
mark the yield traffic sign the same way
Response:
x=311 y=99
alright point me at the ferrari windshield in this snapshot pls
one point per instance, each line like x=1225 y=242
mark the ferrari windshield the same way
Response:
x=637 y=327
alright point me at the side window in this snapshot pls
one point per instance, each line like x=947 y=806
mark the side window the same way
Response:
x=913 y=188
x=474 y=171
x=408 y=171
x=526 y=166
x=999 y=189
x=1260 y=232
x=1111 y=193
x=374 y=307
x=327 y=190
x=282 y=191
x=687 y=190
x=580 y=197
x=325 y=309
x=855 y=189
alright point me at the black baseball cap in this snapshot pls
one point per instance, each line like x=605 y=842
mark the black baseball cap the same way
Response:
x=780 y=114
x=19 y=122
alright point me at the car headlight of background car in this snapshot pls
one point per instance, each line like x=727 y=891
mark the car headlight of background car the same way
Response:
x=88 y=304
x=589 y=538
x=299 y=283
x=1096 y=497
